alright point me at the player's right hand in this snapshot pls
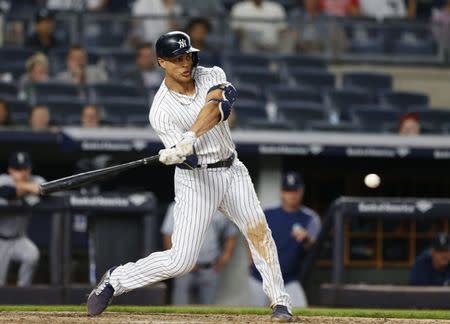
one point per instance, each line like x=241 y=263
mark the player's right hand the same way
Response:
x=170 y=156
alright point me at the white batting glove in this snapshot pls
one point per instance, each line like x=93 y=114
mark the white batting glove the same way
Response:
x=186 y=146
x=169 y=156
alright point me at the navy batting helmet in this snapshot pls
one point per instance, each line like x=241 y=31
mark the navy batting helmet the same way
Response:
x=175 y=43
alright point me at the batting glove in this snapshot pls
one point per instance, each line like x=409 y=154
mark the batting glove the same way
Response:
x=169 y=156
x=186 y=146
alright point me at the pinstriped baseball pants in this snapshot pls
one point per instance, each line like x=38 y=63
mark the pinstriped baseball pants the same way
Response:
x=198 y=194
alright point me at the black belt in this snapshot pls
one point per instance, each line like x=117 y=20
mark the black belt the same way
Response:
x=221 y=164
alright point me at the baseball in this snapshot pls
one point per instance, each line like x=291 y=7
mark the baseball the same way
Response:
x=372 y=180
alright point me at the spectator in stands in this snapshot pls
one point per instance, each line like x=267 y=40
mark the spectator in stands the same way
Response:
x=36 y=71
x=340 y=8
x=270 y=33
x=148 y=30
x=215 y=253
x=198 y=29
x=409 y=124
x=43 y=39
x=381 y=9
x=441 y=26
x=432 y=267
x=39 y=118
x=423 y=9
x=146 y=74
x=294 y=229
x=78 y=70
x=5 y=115
x=90 y=117
x=18 y=184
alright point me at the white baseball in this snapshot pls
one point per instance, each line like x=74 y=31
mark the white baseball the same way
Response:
x=372 y=180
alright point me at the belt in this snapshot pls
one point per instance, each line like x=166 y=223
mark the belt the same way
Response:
x=220 y=164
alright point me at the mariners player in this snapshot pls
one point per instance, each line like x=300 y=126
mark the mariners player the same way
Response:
x=189 y=114
x=19 y=183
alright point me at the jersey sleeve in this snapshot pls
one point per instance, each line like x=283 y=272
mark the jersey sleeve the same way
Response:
x=218 y=76
x=169 y=133
x=168 y=223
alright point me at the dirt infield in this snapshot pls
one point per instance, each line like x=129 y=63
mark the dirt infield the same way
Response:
x=110 y=317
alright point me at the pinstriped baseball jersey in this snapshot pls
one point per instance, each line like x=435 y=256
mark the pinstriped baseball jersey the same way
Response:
x=172 y=114
x=199 y=193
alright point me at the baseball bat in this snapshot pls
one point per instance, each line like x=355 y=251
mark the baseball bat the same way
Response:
x=80 y=179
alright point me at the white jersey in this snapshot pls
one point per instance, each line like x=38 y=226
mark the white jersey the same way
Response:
x=172 y=114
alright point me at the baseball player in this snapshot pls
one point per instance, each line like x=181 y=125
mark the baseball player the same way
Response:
x=19 y=183
x=189 y=113
x=216 y=251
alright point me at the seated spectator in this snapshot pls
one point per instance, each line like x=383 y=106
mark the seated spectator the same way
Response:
x=5 y=116
x=409 y=124
x=340 y=8
x=36 y=71
x=78 y=70
x=90 y=117
x=268 y=34
x=441 y=26
x=148 y=30
x=146 y=74
x=294 y=229
x=39 y=118
x=432 y=267
x=19 y=183
x=381 y=9
x=198 y=29
x=43 y=39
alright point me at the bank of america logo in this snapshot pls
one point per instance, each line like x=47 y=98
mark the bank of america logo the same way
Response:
x=182 y=43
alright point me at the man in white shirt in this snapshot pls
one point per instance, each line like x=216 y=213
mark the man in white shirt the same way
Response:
x=381 y=9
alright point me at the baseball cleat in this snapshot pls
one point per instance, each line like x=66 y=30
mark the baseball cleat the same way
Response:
x=101 y=296
x=280 y=313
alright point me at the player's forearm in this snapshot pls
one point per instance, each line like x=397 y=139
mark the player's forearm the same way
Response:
x=229 y=245
x=208 y=117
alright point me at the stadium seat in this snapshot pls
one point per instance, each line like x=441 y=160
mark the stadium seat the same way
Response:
x=12 y=60
x=434 y=118
x=375 y=119
x=249 y=92
x=63 y=111
x=301 y=113
x=261 y=77
x=108 y=91
x=248 y=110
x=283 y=94
x=264 y=124
x=369 y=81
x=368 y=47
x=326 y=126
x=403 y=100
x=237 y=60
x=8 y=90
x=410 y=39
x=313 y=78
x=104 y=33
x=132 y=113
x=303 y=61
x=119 y=62
x=340 y=101
x=56 y=90
x=20 y=111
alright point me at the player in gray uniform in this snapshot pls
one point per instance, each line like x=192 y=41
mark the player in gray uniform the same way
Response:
x=216 y=251
x=189 y=113
x=19 y=183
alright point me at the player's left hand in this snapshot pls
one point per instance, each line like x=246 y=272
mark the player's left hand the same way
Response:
x=186 y=146
x=170 y=156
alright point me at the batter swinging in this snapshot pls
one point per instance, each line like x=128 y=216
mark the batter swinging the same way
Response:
x=189 y=113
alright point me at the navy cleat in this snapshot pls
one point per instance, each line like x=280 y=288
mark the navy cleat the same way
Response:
x=280 y=313
x=101 y=296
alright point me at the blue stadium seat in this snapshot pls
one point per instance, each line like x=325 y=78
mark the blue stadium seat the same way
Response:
x=341 y=101
x=119 y=62
x=12 y=60
x=434 y=118
x=301 y=113
x=409 y=39
x=109 y=91
x=56 y=90
x=132 y=113
x=425 y=48
x=237 y=60
x=263 y=124
x=247 y=91
x=326 y=126
x=62 y=110
x=375 y=119
x=283 y=94
x=20 y=111
x=403 y=100
x=370 y=81
x=248 y=110
x=261 y=77
x=104 y=33
x=313 y=78
x=368 y=47
x=8 y=90
x=303 y=61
